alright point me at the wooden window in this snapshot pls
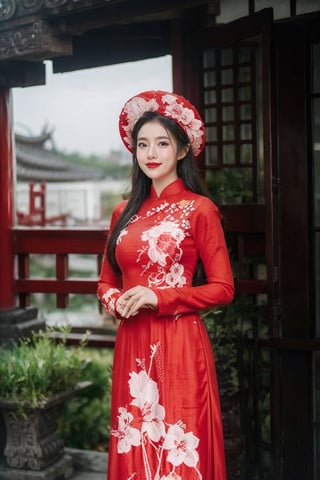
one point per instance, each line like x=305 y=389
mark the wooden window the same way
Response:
x=231 y=80
x=234 y=163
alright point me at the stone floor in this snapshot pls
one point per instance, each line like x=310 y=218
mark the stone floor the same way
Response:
x=88 y=465
x=88 y=476
x=74 y=465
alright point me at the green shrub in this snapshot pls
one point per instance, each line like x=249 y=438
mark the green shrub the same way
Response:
x=85 y=422
x=41 y=366
x=38 y=367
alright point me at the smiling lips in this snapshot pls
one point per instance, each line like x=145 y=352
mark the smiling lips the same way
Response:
x=153 y=164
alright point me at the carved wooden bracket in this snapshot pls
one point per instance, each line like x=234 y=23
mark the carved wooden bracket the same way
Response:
x=75 y=33
x=27 y=31
x=12 y=9
x=36 y=41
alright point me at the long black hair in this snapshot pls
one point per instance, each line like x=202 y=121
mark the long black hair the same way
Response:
x=187 y=170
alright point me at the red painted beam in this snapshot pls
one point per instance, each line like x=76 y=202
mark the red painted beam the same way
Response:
x=59 y=241
x=48 y=285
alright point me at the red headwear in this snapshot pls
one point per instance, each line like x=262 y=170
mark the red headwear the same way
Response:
x=169 y=105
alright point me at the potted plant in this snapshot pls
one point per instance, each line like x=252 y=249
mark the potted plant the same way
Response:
x=37 y=376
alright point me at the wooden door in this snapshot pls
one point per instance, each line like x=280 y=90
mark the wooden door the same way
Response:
x=255 y=104
x=294 y=347
x=239 y=170
x=249 y=79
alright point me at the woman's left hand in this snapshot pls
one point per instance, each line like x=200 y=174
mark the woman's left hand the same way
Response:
x=130 y=302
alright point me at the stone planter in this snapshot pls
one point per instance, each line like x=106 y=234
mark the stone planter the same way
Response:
x=32 y=443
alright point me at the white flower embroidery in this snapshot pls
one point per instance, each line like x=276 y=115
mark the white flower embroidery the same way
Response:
x=164 y=239
x=109 y=299
x=146 y=397
x=182 y=446
x=163 y=252
x=123 y=232
x=176 y=110
x=170 y=106
x=175 y=276
x=128 y=436
x=142 y=389
x=185 y=116
x=134 y=110
x=171 y=476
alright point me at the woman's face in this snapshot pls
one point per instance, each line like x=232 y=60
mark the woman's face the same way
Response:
x=157 y=154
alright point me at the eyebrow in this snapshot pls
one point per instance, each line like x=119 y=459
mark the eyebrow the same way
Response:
x=161 y=137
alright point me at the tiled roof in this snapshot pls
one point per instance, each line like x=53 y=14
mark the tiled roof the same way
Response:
x=36 y=162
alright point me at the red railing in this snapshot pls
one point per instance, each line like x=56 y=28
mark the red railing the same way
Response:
x=60 y=243
x=64 y=241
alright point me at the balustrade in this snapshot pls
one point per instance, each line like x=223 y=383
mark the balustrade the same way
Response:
x=60 y=242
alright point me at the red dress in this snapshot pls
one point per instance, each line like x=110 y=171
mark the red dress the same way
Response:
x=166 y=420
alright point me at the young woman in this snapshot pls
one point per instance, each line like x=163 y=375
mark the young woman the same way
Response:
x=166 y=420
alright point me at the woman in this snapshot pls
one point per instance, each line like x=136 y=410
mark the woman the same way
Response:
x=166 y=420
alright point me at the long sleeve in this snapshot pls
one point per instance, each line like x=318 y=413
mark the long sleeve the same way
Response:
x=210 y=243
x=110 y=283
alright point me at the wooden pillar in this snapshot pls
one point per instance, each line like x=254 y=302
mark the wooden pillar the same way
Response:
x=186 y=55
x=187 y=59
x=7 y=297
x=293 y=376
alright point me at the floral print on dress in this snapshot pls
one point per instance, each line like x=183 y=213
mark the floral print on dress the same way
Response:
x=142 y=425
x=161 y=253
x=163 y=250
x=109 y=300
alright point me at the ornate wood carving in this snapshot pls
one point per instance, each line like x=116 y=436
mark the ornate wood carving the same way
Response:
x=25 y=31
x=7 y=9
x=36 y=40
x=10 y=9
x=37 y=30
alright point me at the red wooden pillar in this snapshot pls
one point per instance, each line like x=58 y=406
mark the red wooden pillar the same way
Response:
x=7 y=297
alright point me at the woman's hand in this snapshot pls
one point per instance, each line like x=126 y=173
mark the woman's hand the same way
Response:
x=130 y=302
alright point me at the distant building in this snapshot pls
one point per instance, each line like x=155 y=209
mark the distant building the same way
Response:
x=38 y=163
x=72 y=192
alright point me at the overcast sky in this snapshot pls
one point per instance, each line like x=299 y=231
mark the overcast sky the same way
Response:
x=83 y=107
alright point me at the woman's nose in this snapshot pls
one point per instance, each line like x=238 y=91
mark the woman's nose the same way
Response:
x=152 y=151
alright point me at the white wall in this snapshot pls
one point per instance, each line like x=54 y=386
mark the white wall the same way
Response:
x=82 y=200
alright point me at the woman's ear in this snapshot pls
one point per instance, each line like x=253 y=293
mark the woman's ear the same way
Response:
x=183 y=152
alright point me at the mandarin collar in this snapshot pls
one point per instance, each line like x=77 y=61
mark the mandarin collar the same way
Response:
x=177 y=186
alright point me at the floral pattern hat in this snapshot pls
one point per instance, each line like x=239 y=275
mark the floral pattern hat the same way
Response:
x=169 y=105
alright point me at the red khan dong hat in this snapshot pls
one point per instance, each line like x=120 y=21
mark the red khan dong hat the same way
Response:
x=169 y=105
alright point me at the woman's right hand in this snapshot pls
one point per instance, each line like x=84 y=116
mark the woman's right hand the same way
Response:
x=131 y=301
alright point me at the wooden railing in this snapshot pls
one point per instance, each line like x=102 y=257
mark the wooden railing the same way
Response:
x=246 y=221
x=60 y=242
